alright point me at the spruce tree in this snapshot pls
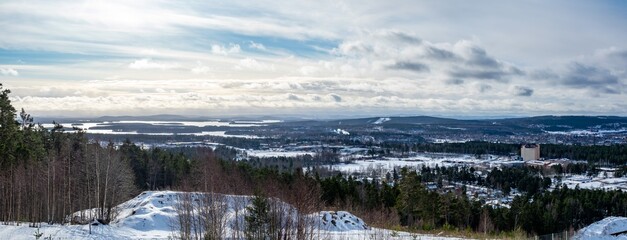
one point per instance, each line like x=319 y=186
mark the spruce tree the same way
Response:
x=257 y=218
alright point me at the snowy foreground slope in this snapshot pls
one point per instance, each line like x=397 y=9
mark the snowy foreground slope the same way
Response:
x=153 y=215
x=606 y=229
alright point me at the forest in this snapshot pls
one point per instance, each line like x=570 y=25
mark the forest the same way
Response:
x=46 y=175
x=611 y=155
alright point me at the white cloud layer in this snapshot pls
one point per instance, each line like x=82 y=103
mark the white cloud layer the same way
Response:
x=222 y=50
x=258 y=46
x=9 y=72
x=320 y=57
x=147 y=63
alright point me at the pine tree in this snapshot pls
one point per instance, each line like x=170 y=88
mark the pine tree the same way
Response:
x=257 y=218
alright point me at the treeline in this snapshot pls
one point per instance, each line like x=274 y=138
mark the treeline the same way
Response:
x=423 y=209
x=45 y=175
x=407 y=202
x=606 y=155
x=559 y=210
x=472 y=147
x=527 y=179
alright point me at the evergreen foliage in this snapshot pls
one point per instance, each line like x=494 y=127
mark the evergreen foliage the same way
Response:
x=258 y=218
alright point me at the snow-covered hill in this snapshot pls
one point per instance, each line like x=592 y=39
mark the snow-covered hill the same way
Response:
x=606 y=229
x=154 y=215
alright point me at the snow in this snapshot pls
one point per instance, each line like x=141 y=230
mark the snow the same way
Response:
x=454 y=128
x=598 y=182
x=381 y=120
x=441 y=140
x=197 y=123
x=108 y=131
x=257 y=121
x=153 y=215
x=151 y=212
x=587 y=132
x=417 y=161
x=603 y=230
x=217 y=123
x=222 y=134
x=340 y=221
x=341 y=131
x=88 y=127
x=277 y=153
x=202 y=133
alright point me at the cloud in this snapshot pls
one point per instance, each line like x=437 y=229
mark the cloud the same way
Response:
x=366 y=56
x=147 y=63
x=484 y=88
x=257 y=46
x=316 y=98
x=543 y=74
x=522 y=91
x=287 y=95
x=353 y=48
x=293 y=97
x=496 y=75
x=396 y=50
x=477 y=64
x=478 y=57
x=201 y=69
x=409 y=66
x=612 y=54
x=336 y=97
x=253 y=64
x=224 y=50
x=402 y=37
x=441 y=54
x=594 y=78
x=309 y=70
x=9 y=72
x=454 y=81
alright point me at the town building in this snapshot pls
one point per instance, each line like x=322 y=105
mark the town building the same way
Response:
x=530 y=152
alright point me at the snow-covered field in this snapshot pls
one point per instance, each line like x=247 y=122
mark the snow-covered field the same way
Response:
x=153 y=215
x=277 y=153
x=588 y=132
x=417 y=161
x=597 y=182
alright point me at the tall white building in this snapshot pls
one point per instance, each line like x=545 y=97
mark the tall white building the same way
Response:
x=530 y=152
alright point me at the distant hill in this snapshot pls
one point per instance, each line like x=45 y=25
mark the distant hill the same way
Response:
x=575 y=122
x=506 y=126
x=547 y=123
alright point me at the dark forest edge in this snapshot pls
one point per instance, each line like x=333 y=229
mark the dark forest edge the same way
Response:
x=46 y=175
x=610 y=155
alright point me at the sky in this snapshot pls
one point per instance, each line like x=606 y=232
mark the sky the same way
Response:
x=324 y=58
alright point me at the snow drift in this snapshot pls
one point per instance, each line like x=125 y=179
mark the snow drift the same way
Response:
x=606 y=229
